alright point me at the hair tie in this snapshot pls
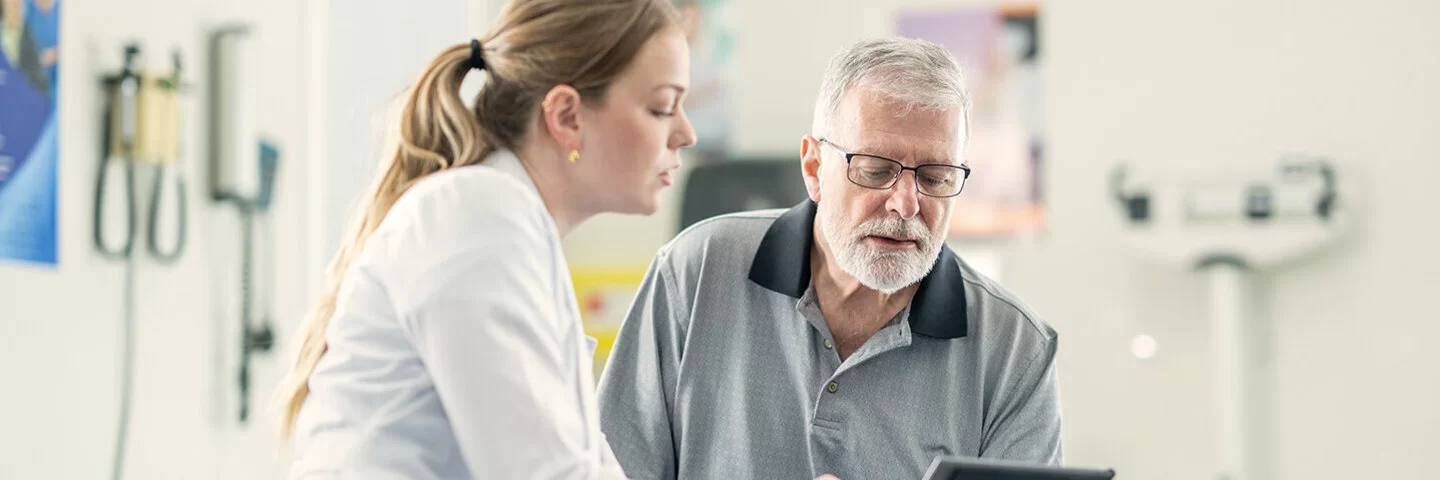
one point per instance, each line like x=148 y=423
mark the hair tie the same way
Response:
x=477 y=56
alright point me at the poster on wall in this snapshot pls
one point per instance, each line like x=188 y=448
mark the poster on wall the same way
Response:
x=709 y=28
x=29 y=157
x=998 y=48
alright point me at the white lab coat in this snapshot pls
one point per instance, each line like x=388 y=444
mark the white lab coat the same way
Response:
x=456 y=349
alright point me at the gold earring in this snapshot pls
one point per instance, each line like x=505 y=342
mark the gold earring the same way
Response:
x=574 y=155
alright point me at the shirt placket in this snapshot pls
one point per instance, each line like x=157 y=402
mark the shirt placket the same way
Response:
x=828 y=428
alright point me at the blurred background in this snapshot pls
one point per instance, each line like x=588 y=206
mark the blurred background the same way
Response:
x=1118 y=146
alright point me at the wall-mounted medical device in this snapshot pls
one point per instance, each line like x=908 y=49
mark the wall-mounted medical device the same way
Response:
x=234 y=151
x=1258 y=216
x=1226 y=223
x=141 y=130
x=242 y=174
x=141 y=141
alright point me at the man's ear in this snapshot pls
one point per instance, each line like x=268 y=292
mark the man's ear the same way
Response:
x=810 y=166
x=561 y=113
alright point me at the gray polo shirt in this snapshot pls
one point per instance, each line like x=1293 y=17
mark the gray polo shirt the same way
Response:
x=725 y=367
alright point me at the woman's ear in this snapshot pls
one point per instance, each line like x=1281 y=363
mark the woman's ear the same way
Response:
x=561 y=113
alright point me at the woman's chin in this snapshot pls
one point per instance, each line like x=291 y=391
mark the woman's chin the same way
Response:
x=643 y=206
x=649 y=207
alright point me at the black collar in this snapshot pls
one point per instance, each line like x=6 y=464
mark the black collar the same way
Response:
x=782 y=264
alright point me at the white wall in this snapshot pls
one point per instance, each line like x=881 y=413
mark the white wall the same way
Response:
x=1247 y=81
x=374 y=50
x=1171 y=83
x=330 y=69
x=59 y=365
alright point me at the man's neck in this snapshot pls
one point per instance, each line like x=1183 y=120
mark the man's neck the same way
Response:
x=853 y=311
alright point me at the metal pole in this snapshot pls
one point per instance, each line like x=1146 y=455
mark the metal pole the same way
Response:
x=1229 y=311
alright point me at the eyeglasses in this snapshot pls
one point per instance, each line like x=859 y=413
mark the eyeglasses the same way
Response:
x=880 y=173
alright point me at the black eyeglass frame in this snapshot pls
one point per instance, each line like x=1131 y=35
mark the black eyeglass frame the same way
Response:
x=915 y=171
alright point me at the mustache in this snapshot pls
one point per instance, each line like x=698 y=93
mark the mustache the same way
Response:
x=897 y=228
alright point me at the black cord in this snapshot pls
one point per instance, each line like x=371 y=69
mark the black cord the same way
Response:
x=247 y=247
x=127 y=348
x=252 y=338
x=1326 y=205
x=1117 y=183
x=127 y=371
x=155 y=197
x=122 y=252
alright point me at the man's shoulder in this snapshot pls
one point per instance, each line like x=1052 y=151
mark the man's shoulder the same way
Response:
x=995 y=308
x=730 y=238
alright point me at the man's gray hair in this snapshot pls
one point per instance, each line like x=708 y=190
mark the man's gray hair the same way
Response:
x=917 y=73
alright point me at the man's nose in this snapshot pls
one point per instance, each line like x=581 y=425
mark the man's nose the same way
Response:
x=904 y=198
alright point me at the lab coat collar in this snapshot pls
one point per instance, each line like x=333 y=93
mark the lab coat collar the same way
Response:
x=506 y=161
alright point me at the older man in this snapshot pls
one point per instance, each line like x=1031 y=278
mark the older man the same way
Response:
x=841 y=336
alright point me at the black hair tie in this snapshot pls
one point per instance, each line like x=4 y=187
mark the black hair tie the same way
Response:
x=477 y=56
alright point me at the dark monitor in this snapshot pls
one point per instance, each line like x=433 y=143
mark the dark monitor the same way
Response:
x=739 y=185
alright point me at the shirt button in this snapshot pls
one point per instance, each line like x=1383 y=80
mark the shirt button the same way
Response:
x=828 y=345
x=833 y=387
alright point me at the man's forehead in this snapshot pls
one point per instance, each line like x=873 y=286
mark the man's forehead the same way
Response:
x=902 y=132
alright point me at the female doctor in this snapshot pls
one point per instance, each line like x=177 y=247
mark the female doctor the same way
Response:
x=449 y=344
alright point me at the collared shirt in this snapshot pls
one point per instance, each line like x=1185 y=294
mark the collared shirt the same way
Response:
x=726 y=368
x=456 y=349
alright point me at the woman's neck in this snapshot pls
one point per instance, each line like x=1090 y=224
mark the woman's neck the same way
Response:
x=544 y=164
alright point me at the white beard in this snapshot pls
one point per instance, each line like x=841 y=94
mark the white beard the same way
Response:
x=886 y=271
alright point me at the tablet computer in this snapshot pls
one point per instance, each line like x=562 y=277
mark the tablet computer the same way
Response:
x=960 y=468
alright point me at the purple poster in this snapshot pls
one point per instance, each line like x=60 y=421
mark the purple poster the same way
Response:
x=999 y=50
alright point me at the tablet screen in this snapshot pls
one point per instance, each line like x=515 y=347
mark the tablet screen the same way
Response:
x=958 y=468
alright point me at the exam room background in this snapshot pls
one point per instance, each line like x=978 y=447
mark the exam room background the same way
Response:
x=1355 y=386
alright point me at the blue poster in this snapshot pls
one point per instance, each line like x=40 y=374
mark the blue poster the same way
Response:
x=29 y=156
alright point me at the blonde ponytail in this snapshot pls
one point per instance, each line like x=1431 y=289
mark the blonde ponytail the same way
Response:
x=437 y=132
